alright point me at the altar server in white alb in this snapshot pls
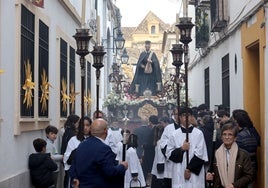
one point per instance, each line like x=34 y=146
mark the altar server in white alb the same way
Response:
x=159 y=161
x=134 y=171
x=119 y=154
x=168 y=131
x=114 y=136
x=191 y=175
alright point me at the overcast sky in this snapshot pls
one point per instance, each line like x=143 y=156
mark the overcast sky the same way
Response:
x=133 y=11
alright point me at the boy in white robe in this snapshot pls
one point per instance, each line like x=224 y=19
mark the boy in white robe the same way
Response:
x=159 y=161
x=168 y=131
x=134 y=171
x=187 y=175
x=113 y=137
x=119 y=146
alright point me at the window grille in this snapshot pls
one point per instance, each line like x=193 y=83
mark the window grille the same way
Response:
x=207 y=88
x=27 y=54
x=63 y=75
x=43 y=63
x=72 y=74
x=225 y=82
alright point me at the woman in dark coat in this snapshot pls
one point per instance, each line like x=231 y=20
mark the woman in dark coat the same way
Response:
x=232 y=167
x=70 y=129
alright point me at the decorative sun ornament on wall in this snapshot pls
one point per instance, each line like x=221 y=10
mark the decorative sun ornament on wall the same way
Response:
x=45 y=91
x=65 y=97
x=28 y=85
x=88 y=100
x=72 y=97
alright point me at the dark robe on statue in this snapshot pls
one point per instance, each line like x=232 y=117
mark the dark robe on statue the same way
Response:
x=146 y=80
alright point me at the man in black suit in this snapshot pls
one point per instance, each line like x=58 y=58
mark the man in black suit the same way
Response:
x=94 y=164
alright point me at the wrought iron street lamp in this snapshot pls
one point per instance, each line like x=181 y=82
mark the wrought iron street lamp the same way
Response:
x=124 y=57
x=82 y=38
x=177 y=53
x=98 y=53
x=185 y=26
x=119 y=40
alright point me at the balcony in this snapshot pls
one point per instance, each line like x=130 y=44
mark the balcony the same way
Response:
x=200 y=3
x=219 y=15
x=202 y=27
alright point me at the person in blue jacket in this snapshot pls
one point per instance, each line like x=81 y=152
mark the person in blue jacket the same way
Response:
x=94 y=163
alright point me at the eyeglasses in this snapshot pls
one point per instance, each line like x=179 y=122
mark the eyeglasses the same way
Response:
x=229 y=135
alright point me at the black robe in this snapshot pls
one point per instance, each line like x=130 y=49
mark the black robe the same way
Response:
x=146 y=80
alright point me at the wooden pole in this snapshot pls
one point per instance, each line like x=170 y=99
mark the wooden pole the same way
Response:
x=97 y=91
x=177 y=31
x=186 y=61
x=178 y=68
x=124 y=138
x=82 y=65
x=211 y=165
x=83 y=14
x=185 y=8
x=98 y=30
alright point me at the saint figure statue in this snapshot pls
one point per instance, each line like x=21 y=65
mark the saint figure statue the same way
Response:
x=148 y=75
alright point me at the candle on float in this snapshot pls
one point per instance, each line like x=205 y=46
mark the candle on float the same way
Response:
x=158 y=86
x=137 y=86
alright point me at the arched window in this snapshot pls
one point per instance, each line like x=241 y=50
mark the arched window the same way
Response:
x=153 y=29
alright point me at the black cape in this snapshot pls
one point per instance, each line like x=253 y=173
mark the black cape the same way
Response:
x=146 y=80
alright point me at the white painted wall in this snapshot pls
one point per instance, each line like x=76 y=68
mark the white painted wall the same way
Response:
x=236 y=79
x=238 y=9
x=196 y=84
x=14 y=149
x=213 y=60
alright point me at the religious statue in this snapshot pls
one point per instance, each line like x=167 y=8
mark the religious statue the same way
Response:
x=148 y=75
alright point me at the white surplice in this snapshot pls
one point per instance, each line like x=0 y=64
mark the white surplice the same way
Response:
x=168 y=131
x=159 y=158
x=197 y=148
x=119 y=154
x=113 y=137
x=134 y=167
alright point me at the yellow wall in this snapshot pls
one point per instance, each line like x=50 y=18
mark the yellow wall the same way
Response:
x=154 y=38
x=253 y=43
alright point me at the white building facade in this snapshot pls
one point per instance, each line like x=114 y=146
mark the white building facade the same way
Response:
x=35 y=41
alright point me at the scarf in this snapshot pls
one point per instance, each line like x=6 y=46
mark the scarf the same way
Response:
x=226 y=172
